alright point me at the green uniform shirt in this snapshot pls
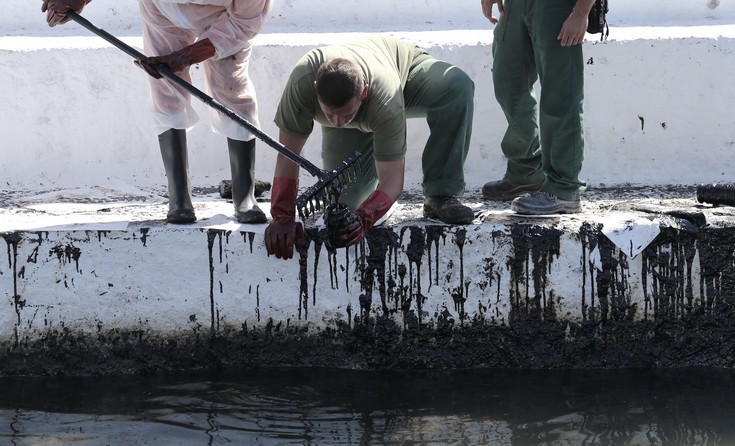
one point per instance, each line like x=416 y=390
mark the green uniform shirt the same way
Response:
x=385 y=62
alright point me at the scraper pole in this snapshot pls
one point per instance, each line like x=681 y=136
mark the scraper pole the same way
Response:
x=168 y=74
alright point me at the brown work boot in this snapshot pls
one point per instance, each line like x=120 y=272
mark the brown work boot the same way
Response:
x=448 y=209
x=505 y=190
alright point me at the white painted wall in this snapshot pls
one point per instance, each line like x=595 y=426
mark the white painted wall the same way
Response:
x=75 y=109
x=171 y=279
x=22 y=17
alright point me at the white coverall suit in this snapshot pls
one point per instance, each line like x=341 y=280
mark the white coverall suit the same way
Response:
x=230 y=25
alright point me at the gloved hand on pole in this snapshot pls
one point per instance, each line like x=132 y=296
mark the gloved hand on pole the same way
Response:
x=178 y=61
x=56 y=10
x=284 y=232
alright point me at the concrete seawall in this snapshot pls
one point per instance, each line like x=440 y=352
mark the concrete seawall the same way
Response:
x=95 y=282
x=631 y=282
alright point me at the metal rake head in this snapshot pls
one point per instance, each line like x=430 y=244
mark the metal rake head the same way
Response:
x=328 y=187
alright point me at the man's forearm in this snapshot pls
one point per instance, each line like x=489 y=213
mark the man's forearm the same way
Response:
x=285 y=167
x=390 y=177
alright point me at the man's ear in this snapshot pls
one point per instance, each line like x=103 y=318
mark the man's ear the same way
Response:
x=364 y=92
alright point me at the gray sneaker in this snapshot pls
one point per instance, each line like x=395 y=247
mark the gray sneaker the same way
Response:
x=544 y=203
x=505 y=190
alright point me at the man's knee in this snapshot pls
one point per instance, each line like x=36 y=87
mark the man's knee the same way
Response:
x=458 y=77
x=459 y=84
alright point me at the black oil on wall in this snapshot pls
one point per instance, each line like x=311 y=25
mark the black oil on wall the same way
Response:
x=672 y=307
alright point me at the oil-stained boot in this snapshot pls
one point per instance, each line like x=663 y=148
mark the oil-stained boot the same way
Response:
x=242 y=167
x=174 y=155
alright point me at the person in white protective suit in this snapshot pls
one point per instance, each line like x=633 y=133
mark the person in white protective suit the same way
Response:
x=219 y=34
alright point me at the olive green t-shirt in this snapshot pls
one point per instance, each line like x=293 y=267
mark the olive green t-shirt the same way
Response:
x=385 y=62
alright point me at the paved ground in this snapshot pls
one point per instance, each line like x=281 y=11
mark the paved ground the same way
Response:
x=115 y=207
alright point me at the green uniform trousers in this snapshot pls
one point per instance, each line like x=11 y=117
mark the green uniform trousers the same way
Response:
x=544 y=139
x=443 y=94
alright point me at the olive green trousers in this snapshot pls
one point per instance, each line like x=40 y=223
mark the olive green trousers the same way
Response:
x=544 y=138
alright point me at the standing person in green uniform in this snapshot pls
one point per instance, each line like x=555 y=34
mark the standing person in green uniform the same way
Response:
x=544 y=143
x=361 y=93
